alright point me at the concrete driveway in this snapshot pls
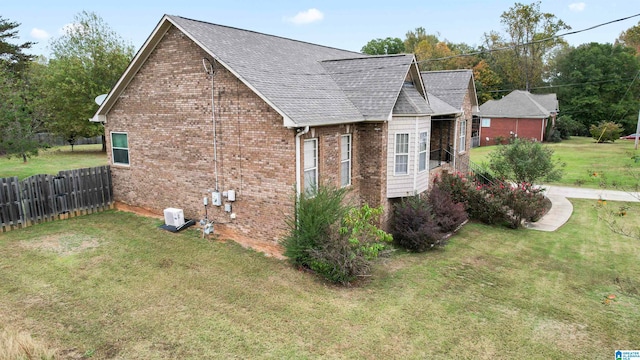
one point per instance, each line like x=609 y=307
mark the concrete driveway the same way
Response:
x=561 y=208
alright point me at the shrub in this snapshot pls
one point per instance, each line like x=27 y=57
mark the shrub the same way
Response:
x=553 y=136
x=525 y=161
x=485 y=206
x=414 y=226
x=350 y=250
x=606 y=131
x=315 y=215
x=338 y=242
x=448 y=214
x=456 y=185
x=567 y=127
x=523 y=202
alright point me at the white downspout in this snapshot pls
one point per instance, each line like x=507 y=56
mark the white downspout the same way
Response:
x=416 y=156
x=298 y=158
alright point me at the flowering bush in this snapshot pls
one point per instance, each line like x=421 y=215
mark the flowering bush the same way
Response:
x=522 y=202
x=496 y=203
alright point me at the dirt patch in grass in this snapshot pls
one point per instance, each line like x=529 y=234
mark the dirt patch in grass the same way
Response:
x=271 y=248
x=63 y=244
x=221 y=233
x=566 y=336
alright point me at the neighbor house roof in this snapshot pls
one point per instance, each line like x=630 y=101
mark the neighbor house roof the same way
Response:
x=307 y=84
x=548 y=101
x=451 y=86
x=517 y=104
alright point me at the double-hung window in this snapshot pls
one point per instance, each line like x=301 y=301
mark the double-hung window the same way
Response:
x=345 y=160
x=463 y=136
x=120 y=148
x=422 y=151
x=310 y=166
x=402 y=154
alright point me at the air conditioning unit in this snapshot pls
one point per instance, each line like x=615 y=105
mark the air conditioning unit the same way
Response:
x=173 y=217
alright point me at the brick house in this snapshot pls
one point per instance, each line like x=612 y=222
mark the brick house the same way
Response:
x=451 y=133
x=519 y=114
x=207 y=109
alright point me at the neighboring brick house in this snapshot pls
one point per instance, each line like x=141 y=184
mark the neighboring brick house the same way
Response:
x=519 y=114
x=451 y=135
x=277 y=118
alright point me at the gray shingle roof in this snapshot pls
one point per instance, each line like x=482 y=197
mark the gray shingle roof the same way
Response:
x=548 y=101
x=411 y=102
x=450 y=86
x=518 y=104
x=310 y=84
x=440 y=107
x=371 y=83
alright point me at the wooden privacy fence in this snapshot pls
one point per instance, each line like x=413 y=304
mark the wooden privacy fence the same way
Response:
x=42 y=197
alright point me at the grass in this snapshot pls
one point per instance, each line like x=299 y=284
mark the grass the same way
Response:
x=113 y=285
x=53 y=160
x=588 y=163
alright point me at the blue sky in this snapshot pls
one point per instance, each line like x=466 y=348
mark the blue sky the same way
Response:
x=343 y=24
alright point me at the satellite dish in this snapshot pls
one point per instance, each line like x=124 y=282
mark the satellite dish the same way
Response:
x=100 y=99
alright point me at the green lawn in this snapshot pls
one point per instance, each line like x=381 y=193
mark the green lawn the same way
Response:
x=112 y=285
x=53 y=160
x=612 y=163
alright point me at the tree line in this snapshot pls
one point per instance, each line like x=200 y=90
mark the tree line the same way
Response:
x=57 y=95
x=594 y=82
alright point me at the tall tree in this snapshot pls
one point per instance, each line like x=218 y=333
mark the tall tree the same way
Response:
x=631 y=38
x=19 y=119
x=384 y=46
x=415 y=37
x=530 y=37
x=487 y=81
x=599 y=82
x=12 y=55
x=87 y=61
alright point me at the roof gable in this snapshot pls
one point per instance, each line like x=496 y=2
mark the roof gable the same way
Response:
x=371 y=83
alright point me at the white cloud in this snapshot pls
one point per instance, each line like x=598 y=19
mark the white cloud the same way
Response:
x=306 y=17
x=39 y=34
x=577 y=7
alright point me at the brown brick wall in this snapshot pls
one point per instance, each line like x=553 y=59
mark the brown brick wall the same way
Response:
x=166 y=110
x=525 y=128
x=368 y=159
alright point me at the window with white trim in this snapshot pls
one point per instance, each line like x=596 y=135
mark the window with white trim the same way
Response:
x=310 y=166
x=345 y=160
x=463 y=136
x=422 y=151
x=486 y=122
x=402 y=154
x=120 y=148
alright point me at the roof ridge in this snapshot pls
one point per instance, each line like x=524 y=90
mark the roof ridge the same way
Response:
x=260 y=33
x=540 y=107
x=364 y=56
x=446 y=71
